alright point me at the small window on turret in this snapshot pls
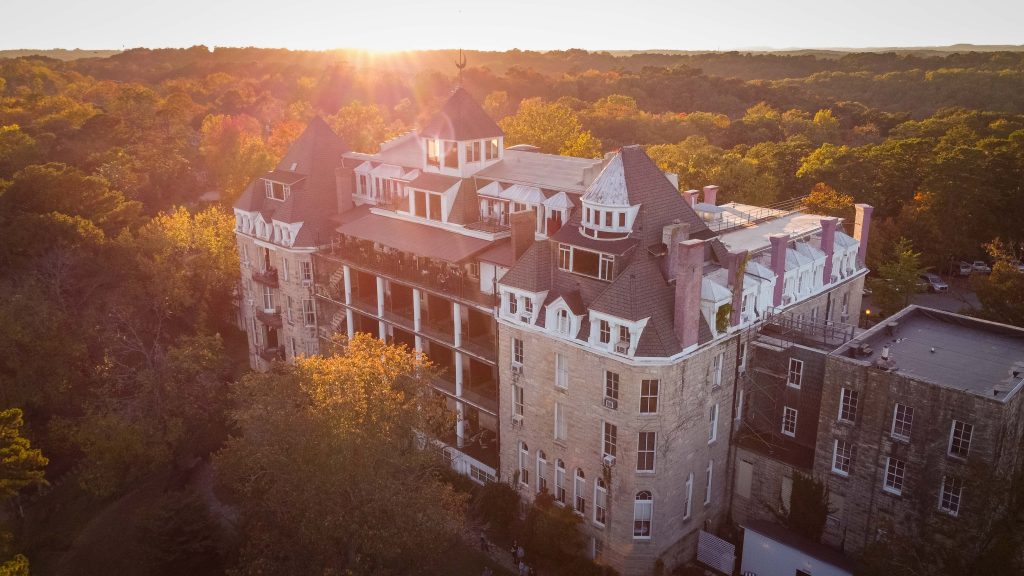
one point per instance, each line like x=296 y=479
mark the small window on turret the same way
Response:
x=451 y=154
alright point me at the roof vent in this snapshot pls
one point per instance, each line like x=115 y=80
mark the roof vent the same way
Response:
x=892 y=328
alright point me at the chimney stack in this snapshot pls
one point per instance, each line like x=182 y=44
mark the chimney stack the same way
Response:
x=737 y=270
x=689 y=275
x=711 y=195
x=828 y=246
x=780 y=244
x=691 y=197
x=861 y=228
x=671 y=236
x=524 y=226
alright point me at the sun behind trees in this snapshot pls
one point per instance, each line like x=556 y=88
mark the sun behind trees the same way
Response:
x=329 y=470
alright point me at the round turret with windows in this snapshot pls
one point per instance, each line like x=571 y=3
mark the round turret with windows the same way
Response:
x=607 y=212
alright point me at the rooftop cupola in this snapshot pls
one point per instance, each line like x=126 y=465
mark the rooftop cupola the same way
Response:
x=461 y=138
x=608 y=213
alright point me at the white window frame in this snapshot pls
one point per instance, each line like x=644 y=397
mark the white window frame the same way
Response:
x=308 y=312
x=561 y=371
x=561 y=428
x=949 y=502
x=579 y=495
x=905 y=421
x=848 y=397
x=284 y=268
x=559 y=482
x=688 y=505
x=306 y=269
x=518 y=402
x=963 y=438
x=649 y=388
x=268 y=299
x=842 y=461
x=710 y=482
x=612 y=384
x=563 y=324
x=643 y=514
x=524 y=464
x=646 y=451
x=795 y=375
x=518 y=352
x=789 y=418
x=713 y=424
x=609 y=439
x=600 y=502
x=291 y=305
x=542 y=470
x=604 y=331
x=718 y=365
x=895 y=475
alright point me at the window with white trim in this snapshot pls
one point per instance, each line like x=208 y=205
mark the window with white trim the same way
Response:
x=542 y=471
x=513 y=303
x=842 y=457
x=789 y=421
x=643 y=514
x=561 y=371
x=560 y=482
x=306 y=269
x=284 y=268
x=560 y=425
x=268 y=298
x=960 y=439
x=796 y=373
x=517 y=351
x=564 y=257
x=902 y=422
x=291 y=314
x=624 y=337
x=562 y=323
x=949 y=495
x=308 y=312
x=719 y=363
x=894 y=472
x=648 y=396
x=609 y=439
x=708 y=485
x=579 y=498
x=848 y=405
x=713 y=424
x=528 y=306
x=524 y=464
x=645 y=451
x=600 y=502
x=604 y=331
x=605 y=272
x=611 y=387
x=688 y=504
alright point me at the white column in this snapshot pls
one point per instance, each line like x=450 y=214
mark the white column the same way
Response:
x=457 y=317
x=460 y=423
x=348 y=285
x=460 y=429
x=348 y=323
x=380 y=296
x=416 y=318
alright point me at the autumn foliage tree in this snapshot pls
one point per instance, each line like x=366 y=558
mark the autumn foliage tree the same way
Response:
x=551 y=126
x=332 y=469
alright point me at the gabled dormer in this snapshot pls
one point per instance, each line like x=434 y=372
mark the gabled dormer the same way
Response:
x=461 y=139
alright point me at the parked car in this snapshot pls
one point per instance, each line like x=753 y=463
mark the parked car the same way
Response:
x=980 y=266
x=933 y=283
x=964 y=269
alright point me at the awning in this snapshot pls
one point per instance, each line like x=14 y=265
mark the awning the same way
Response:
x=559 y=201
x=523 y=194
x=419 y=239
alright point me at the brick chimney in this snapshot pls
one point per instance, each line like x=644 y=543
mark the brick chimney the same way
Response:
x=711 y=195
x=671 y=236
x=691 y=197
x=780 y=243
x=689 y=274
x=828 y=245
x=861 y=227
x=736 y=274
x=524 y=227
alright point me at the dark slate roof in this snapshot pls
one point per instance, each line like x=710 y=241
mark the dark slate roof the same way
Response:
x=570 y=234
x=420 y=239
x=433 y=182
x=533 y=270
x=461 y=118
x=499 y=253
x=661 y=203
x=315 y=155
x=465 y=209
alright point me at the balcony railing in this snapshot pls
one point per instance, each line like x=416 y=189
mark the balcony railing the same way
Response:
x=266 y=277
x=269 y=317
x=271 y=353
x=439 y=276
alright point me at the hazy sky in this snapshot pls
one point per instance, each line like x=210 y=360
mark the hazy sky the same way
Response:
x=494 y=25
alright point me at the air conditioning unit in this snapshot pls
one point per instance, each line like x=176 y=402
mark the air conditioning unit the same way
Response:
x=612 y=403
x=608 y=460
x=517 y=421
x=622 y=347
x=517 y=368
x=525 y=318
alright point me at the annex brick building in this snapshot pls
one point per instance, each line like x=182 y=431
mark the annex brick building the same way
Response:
x=589 y=321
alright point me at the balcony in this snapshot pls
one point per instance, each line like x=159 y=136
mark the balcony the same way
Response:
x=266 y=277
x=269 y=318
x=271 y=353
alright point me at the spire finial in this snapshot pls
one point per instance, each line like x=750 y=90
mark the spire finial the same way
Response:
x=460 y=64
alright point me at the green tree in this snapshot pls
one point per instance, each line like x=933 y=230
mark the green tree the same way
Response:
x=1001 y=293
x=21 y=466
x=344 y=429
x=898 y=278
x=234 y=152
x=808 y=509
x=828 y=201
x=363 y=127
x=552 y=127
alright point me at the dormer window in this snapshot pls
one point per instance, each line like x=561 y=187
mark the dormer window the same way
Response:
x=562 y=323
x=604 y=334
x=473 y=151
x=528 y=306
x=276 y=190
x=493 y=149
x=451 y=154
x=433 y=153
x=586 y=262
x=513 y=304
x=624 y=336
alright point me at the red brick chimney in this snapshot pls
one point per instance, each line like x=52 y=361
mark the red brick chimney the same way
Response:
x=861 y=227
x=671 y=236
x=780 y=243
x=711 y=195
x=689 y=274
x=737 y=270
x=828 y=245
x=524 y=227
x=691 y=197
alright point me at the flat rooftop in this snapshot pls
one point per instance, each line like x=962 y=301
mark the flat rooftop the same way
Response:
x=950 y=350
x=755 y=236
x=544 y=170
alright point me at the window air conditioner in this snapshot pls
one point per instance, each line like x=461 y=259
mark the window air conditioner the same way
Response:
x=622 y=347
x=612 y=403
x=517 y=368
x=525 y=318
x=517 y=420
x=608 y=460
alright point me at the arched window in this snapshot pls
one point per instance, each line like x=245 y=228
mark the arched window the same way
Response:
x=524 y=464
x=542 y=471
x=600 y=502
x=579 y=498
x=560 y=481
x=643 y=511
